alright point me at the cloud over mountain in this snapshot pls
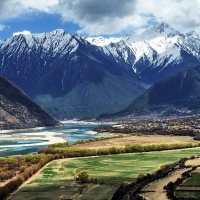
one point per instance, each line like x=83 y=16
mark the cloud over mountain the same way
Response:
x=2 y=27
x=24 y=32
x=97 y=17
x=111 y=16
x=13 y=8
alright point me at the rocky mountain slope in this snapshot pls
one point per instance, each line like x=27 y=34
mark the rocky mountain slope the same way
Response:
x=18 y=111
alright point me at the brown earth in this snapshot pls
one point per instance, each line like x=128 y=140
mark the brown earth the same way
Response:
x=142 y=140
x=193 y=162
x=155 y=191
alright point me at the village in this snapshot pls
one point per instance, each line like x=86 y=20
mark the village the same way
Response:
x=182 y=126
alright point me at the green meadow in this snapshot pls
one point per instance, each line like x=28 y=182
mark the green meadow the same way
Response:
x=56 y=181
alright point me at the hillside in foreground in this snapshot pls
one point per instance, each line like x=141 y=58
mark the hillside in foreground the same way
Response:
x=18 y=111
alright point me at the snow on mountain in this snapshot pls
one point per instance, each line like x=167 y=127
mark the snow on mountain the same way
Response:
x=67 y=75
x=192 y=40
x=192 y=34
x=159 y=47
x=119 y=50
x=101 y=41
x=159 y=30
x=57 y=41
x=53 y=68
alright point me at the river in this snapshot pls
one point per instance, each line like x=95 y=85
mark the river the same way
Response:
x=29 y=141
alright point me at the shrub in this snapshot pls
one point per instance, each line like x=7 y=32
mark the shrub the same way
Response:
x=60 y=144
x=83 y=177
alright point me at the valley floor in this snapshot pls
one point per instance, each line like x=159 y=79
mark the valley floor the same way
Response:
x=56 y=180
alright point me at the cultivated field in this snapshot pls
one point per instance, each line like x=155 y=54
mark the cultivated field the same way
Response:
x=190 y=189
x=56 y=181
x=142 y=139
x=155 y=189
x=188 y=195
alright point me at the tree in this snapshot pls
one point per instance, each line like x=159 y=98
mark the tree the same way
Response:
x=4 y=176
x=83 y=177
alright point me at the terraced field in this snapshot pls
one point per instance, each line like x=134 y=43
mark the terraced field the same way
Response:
x=188 y=195
x=190 y=189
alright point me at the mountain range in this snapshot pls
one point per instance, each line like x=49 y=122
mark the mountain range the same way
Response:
x=82 y=77
x=154 y=54
x=18 y=111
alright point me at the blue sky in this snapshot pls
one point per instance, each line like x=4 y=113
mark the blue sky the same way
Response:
x=94 y=17
x=36 y=23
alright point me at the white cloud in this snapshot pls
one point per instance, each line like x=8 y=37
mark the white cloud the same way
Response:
x=113 y=16
x=10 y=8
x=96 y=17
x=99 y=17
x=13 y=8
x=183 y=15
x=24 y=32
x=2 y=27
x=41 y=5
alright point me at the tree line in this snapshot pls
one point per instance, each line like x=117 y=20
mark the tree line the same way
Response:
x=69 y=152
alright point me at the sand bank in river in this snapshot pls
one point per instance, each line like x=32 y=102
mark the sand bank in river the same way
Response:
x=48 y=137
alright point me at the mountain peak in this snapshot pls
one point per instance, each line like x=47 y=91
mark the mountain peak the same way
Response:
x=59 y=32
x=158 y=30
x=162 y=29
x=192 y=34
x=101 y=41
x=162 y=25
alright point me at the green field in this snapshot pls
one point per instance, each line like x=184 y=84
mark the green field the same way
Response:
x=188 y=194
x=190 y=183
x=56 y=181
x=194 y=180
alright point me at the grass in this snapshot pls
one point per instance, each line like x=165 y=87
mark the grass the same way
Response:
x=194 y=180
x=56 y=181
x=97 y=195
x=125 y=167
x=188 y=194
x=190 y=191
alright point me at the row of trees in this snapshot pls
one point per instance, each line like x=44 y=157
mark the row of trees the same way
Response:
x=96 y=139
x=80 y=152
x=30 y=165
x=11 y=166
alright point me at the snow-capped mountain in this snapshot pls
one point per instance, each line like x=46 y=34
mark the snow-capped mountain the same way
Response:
x=67 y=75
x=101 y=41
x=73 y=76
x=157 y=52
x=159 y=30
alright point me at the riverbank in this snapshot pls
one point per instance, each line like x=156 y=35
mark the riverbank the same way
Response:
x=20 y=142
